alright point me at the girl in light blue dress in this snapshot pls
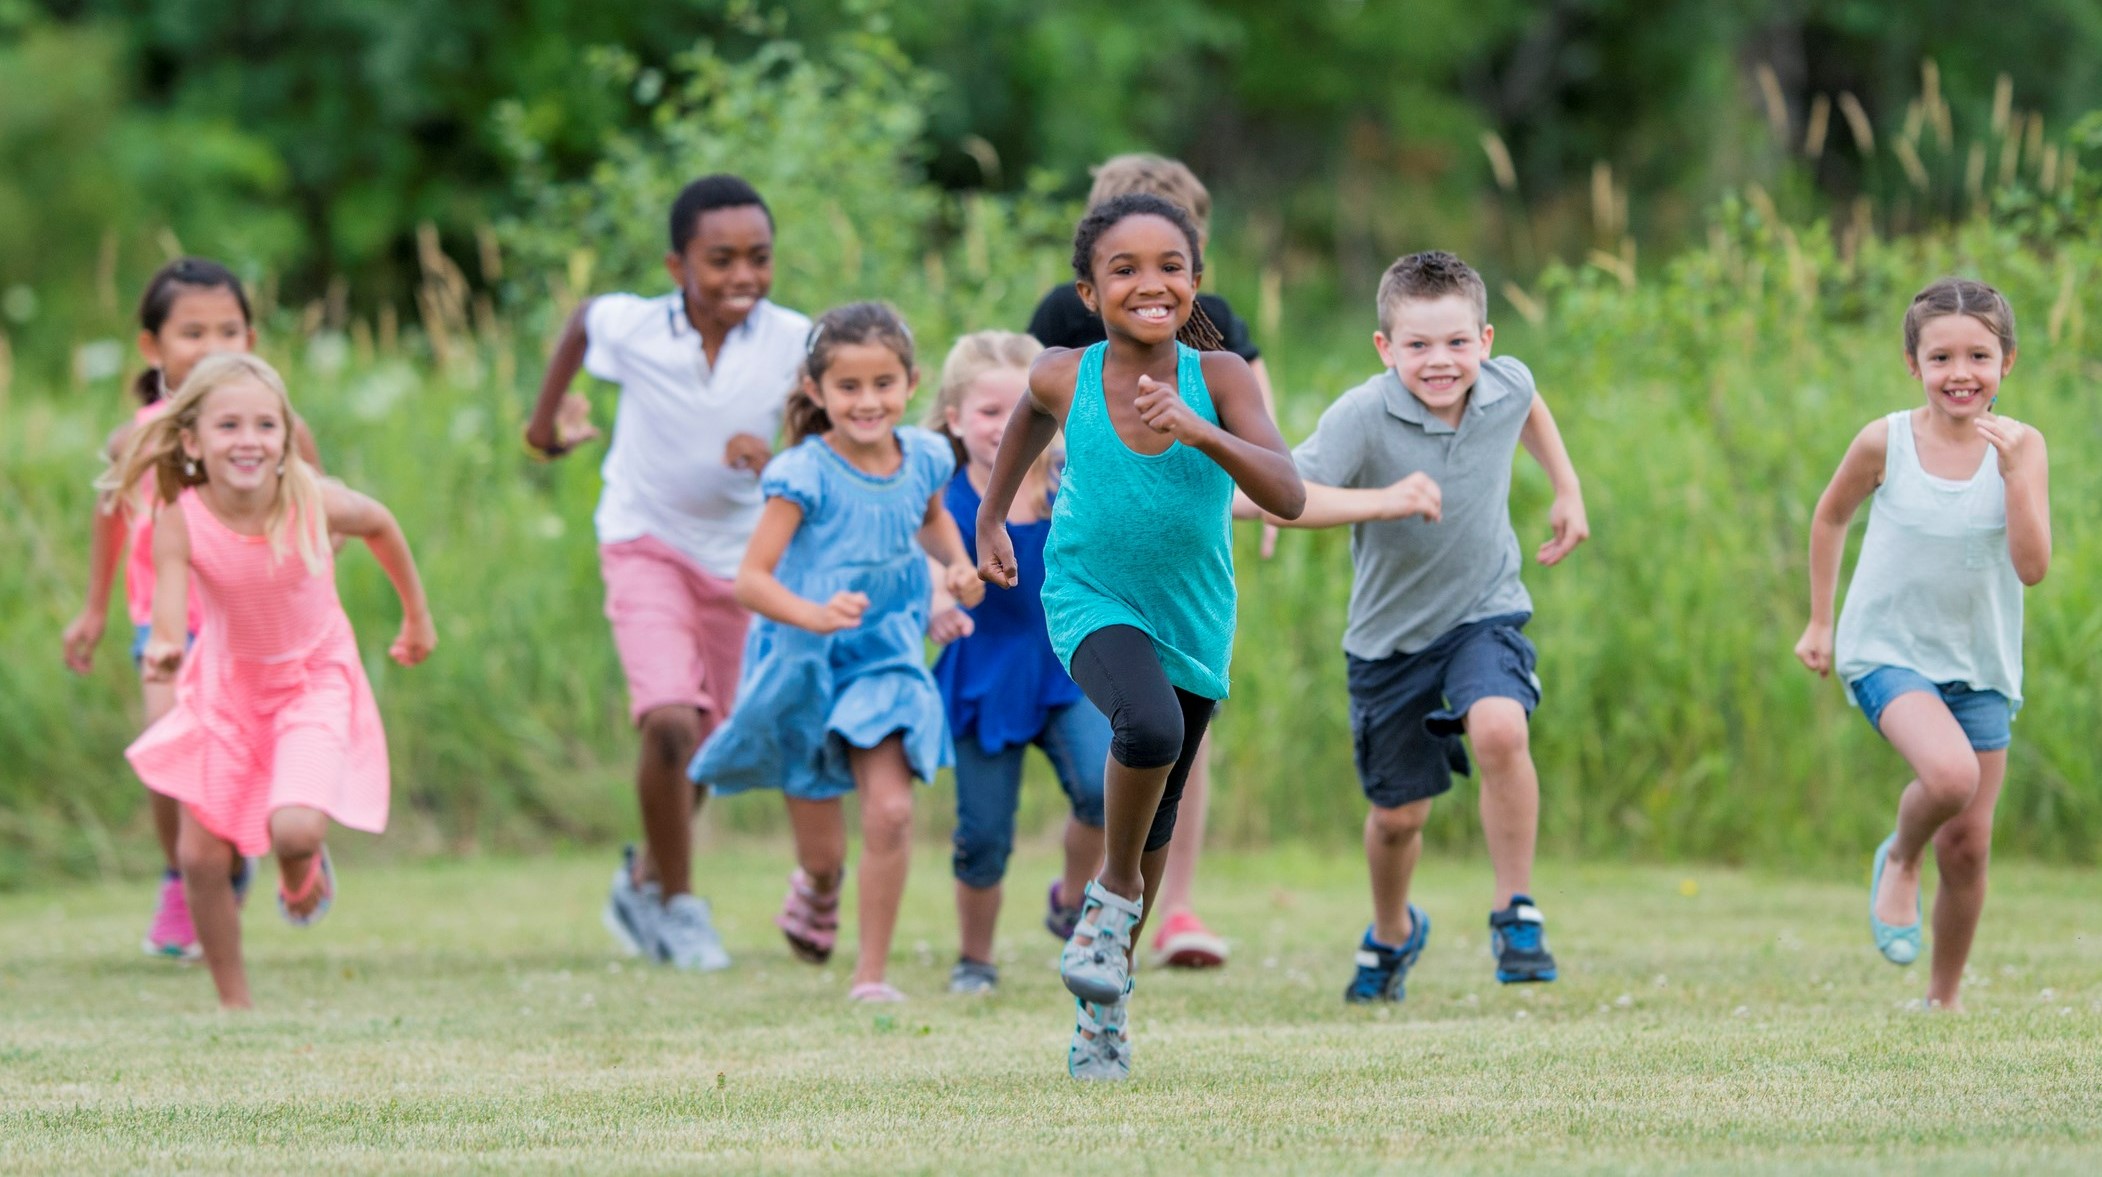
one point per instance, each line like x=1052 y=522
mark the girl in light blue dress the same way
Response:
x=835 y=697
x=1929 y=644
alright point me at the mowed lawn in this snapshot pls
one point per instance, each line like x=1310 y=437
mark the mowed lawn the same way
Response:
x=471 y=1017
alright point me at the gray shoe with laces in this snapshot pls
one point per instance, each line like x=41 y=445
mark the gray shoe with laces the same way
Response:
x=631 y=910
x=686 y=937
x=971 y=977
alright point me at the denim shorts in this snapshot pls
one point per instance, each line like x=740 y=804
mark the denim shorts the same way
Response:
x=1984 y=716
x=1408 y=711
x=989 y=787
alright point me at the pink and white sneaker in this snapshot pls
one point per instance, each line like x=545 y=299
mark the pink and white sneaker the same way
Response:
x=171 y=934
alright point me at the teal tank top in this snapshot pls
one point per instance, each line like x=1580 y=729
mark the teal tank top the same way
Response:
x=1144 y=541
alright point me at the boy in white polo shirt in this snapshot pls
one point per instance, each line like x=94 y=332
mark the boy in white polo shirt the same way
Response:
x=704 y=373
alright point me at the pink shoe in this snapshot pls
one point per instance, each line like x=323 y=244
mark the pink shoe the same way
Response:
x=1183 y=942
x=808 y=920
x=171 y=934
x=875 y=993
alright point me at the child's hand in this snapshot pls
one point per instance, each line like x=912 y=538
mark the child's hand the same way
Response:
x=1161 y=407
x=414 y=643
x=963 y=584
x=1418 y=494
x=843 y=611
x=951 y=624
x=573 y=425
x=747 y=451
x=996 y=557
x=1814 y=648
x=2014 y=441
x=82 y=634
x=1571 y=528
x=160 y=659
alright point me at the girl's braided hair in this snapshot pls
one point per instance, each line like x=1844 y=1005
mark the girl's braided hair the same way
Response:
x=1198 y=330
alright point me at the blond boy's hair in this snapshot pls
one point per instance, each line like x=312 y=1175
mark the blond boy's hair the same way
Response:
x=1155 y=175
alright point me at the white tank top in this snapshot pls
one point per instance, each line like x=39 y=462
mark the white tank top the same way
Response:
x=1935 y=589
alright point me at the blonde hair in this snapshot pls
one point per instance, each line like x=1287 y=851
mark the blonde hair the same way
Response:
x=973 y=356
x=296 y=519
x=1153 y=175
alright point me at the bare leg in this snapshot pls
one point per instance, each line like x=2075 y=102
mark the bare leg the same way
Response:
x=977 y=914
x=1393 y=843
x=1130 y=797
x=1961 y=849
x=1510 y=793
x=167 y=811
x=670 y=736
x=883 y=781
x=207 y=862
x=1083 y=844
x=820 y=830
x=1919 y=726
x=295 y=837
x=1188 y=844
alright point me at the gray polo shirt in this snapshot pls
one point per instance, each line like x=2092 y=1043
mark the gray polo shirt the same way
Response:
x=1416 y=581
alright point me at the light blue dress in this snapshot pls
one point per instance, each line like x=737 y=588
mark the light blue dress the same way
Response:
x=803 y=698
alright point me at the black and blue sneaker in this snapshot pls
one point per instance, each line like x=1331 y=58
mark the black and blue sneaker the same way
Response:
x=1518 y=936
x=1382 y=970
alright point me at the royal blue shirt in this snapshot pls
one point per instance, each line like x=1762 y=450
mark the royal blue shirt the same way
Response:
x=1002 y=683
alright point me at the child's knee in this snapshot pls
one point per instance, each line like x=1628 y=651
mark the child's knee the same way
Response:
x=1962 y=848
x=200 y=853
x=1149 y=738
x=296 y=831
x=886 y=821
x=981 y=858
x=1950 y=781
x=670 y=736
x=1398 y=825
x=1497 y=728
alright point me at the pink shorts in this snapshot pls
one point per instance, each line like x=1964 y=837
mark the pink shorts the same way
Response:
x=679 y=629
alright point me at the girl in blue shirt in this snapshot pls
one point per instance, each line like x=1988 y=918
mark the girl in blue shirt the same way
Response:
x=1001 y=682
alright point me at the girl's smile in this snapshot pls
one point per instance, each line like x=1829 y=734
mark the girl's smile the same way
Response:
x=863 y=393
x=1143 y=281
x=1960 y=364
x=240 y=438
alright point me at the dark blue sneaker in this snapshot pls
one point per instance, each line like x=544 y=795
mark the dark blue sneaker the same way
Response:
x=1381 y=969
x=1518 y=936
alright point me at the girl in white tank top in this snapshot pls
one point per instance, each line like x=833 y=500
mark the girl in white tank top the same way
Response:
x=1930 y=641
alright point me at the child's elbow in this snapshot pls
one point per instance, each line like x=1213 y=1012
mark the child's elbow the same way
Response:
x=745 y=590
x=1292 y=504
x=2031 y=572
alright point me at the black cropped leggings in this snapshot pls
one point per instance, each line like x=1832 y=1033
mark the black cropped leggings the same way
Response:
x=1151 y=722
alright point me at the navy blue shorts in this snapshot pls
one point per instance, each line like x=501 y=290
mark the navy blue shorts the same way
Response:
x=1408 y=711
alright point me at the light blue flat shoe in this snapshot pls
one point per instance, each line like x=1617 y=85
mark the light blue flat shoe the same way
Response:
x=1899 y=945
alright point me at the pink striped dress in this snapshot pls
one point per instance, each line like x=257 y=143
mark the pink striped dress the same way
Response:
x=272 y=707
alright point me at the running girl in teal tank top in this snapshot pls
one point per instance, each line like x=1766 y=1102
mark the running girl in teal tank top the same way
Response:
x=1138 y=580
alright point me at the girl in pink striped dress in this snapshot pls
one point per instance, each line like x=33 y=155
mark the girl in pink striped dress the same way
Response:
x=274 y=731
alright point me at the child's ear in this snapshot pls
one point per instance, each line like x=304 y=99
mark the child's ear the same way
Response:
x=1385 y=348
x=1488 y=339
x=150 y=346
x=1086 y=290
x=912 y=381
x=676 y=267
x=2007 y=364
x=1912 y=365
x=188 y=441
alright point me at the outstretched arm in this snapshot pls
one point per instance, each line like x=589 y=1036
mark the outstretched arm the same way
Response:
x=1544 y=442
x=1245 y=442
x=759 y=590
x=1859 y=473
x=105 y=549
x=171 y=595
x=1033 y=424
x=562 y=419
x=941 y=539
x=1337 y=506
x=354 y=514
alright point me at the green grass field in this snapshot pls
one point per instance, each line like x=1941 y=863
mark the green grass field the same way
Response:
x=468 y=1016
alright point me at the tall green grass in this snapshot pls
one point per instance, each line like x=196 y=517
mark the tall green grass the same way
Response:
x=1705 y=405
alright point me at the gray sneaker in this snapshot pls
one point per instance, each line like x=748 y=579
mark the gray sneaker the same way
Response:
x=686 y=936
x=631 y=911
x=973 y=977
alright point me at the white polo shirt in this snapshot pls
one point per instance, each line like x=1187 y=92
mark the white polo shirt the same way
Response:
x=664 y=472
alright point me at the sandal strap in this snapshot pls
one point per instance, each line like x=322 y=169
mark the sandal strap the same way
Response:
x=313 y=879
x=805 y=888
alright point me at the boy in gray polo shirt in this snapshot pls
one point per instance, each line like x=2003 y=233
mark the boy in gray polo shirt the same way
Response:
x=1418 y=460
